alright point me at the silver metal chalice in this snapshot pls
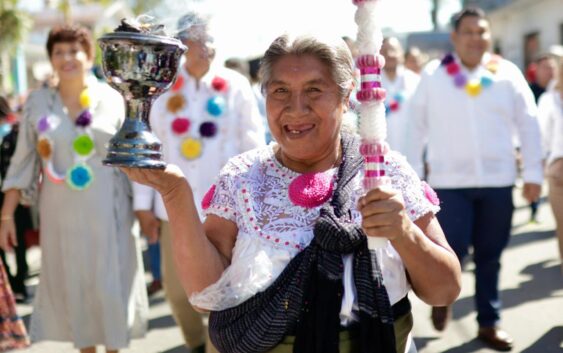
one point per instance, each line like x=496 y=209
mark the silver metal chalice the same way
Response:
x=141 y=67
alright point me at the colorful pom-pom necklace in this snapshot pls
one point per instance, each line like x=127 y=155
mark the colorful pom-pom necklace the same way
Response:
x=191 y=146
x=472 y=87
x=79 y=176
x=393 y=105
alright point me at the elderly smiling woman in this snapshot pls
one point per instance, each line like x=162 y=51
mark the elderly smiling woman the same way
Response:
x=281 y=260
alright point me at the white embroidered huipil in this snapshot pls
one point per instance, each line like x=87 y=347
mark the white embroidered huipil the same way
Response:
x=240 y=129
x=470 y=139
x=404 y=85
x=550 y=115
x=252 y=191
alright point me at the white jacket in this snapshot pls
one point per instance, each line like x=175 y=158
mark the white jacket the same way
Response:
x=240 y=129
x=469 y=139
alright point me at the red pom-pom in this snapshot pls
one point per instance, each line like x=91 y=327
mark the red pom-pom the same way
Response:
x=208 y=197
x=180 y=125
x=219 y=84
x=394 y=106
x=452 y=68
x=178 y=84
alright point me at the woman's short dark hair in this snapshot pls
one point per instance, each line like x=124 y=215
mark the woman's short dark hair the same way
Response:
x=70 y=34
x=334 y=53
x=468 y=12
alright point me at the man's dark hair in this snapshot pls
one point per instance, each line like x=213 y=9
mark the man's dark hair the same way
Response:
x=467 y=12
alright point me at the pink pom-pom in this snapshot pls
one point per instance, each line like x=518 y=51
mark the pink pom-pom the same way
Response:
x=369 y=60
x=208 y=197
x=374 y=148
x=359 y=2
x=373 y=94
x=430 y=194
x=180 y=125
x=311 y=189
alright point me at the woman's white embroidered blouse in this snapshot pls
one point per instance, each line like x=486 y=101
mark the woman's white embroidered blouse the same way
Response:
x=251 y=191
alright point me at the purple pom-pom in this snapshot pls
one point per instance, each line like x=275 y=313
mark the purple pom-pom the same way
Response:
x=448 y=59
x=460 y=80
x=208 y=129
x=84 y=119
x=43 y=124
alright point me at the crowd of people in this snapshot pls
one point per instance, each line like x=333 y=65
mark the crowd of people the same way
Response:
x=260 y=220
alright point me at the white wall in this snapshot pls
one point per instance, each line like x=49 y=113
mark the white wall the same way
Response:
x=512 y=23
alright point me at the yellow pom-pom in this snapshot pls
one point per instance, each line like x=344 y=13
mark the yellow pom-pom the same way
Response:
x=191 y=148
x=473 y=88
x=85 y=100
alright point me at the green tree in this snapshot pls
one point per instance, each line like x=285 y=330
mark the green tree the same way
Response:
x=65 y=6
x=143 y=6
x=14 y=25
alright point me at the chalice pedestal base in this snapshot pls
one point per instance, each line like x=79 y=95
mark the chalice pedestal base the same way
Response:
x=134 y=148
x=122 y=160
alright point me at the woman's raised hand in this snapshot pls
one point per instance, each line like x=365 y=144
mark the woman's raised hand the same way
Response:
x=162 y=180
x=383 y=214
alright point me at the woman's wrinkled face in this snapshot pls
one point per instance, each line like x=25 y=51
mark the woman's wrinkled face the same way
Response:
x=304 y=108
x=69 y=60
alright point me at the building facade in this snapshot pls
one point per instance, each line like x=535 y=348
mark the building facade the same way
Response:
x=523 y=29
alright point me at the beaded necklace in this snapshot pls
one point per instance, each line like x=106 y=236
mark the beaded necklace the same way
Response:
x=80 y=175
x=473 y=87
x=191 y=146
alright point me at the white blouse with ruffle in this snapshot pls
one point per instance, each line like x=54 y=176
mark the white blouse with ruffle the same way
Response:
x=252 y=191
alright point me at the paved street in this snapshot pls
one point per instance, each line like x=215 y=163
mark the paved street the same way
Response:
x=532 y=290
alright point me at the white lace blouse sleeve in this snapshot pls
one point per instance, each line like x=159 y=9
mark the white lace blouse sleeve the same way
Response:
x=219 y=200
x=419 y=197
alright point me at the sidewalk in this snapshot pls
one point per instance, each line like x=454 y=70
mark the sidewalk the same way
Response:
x=532 y=291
